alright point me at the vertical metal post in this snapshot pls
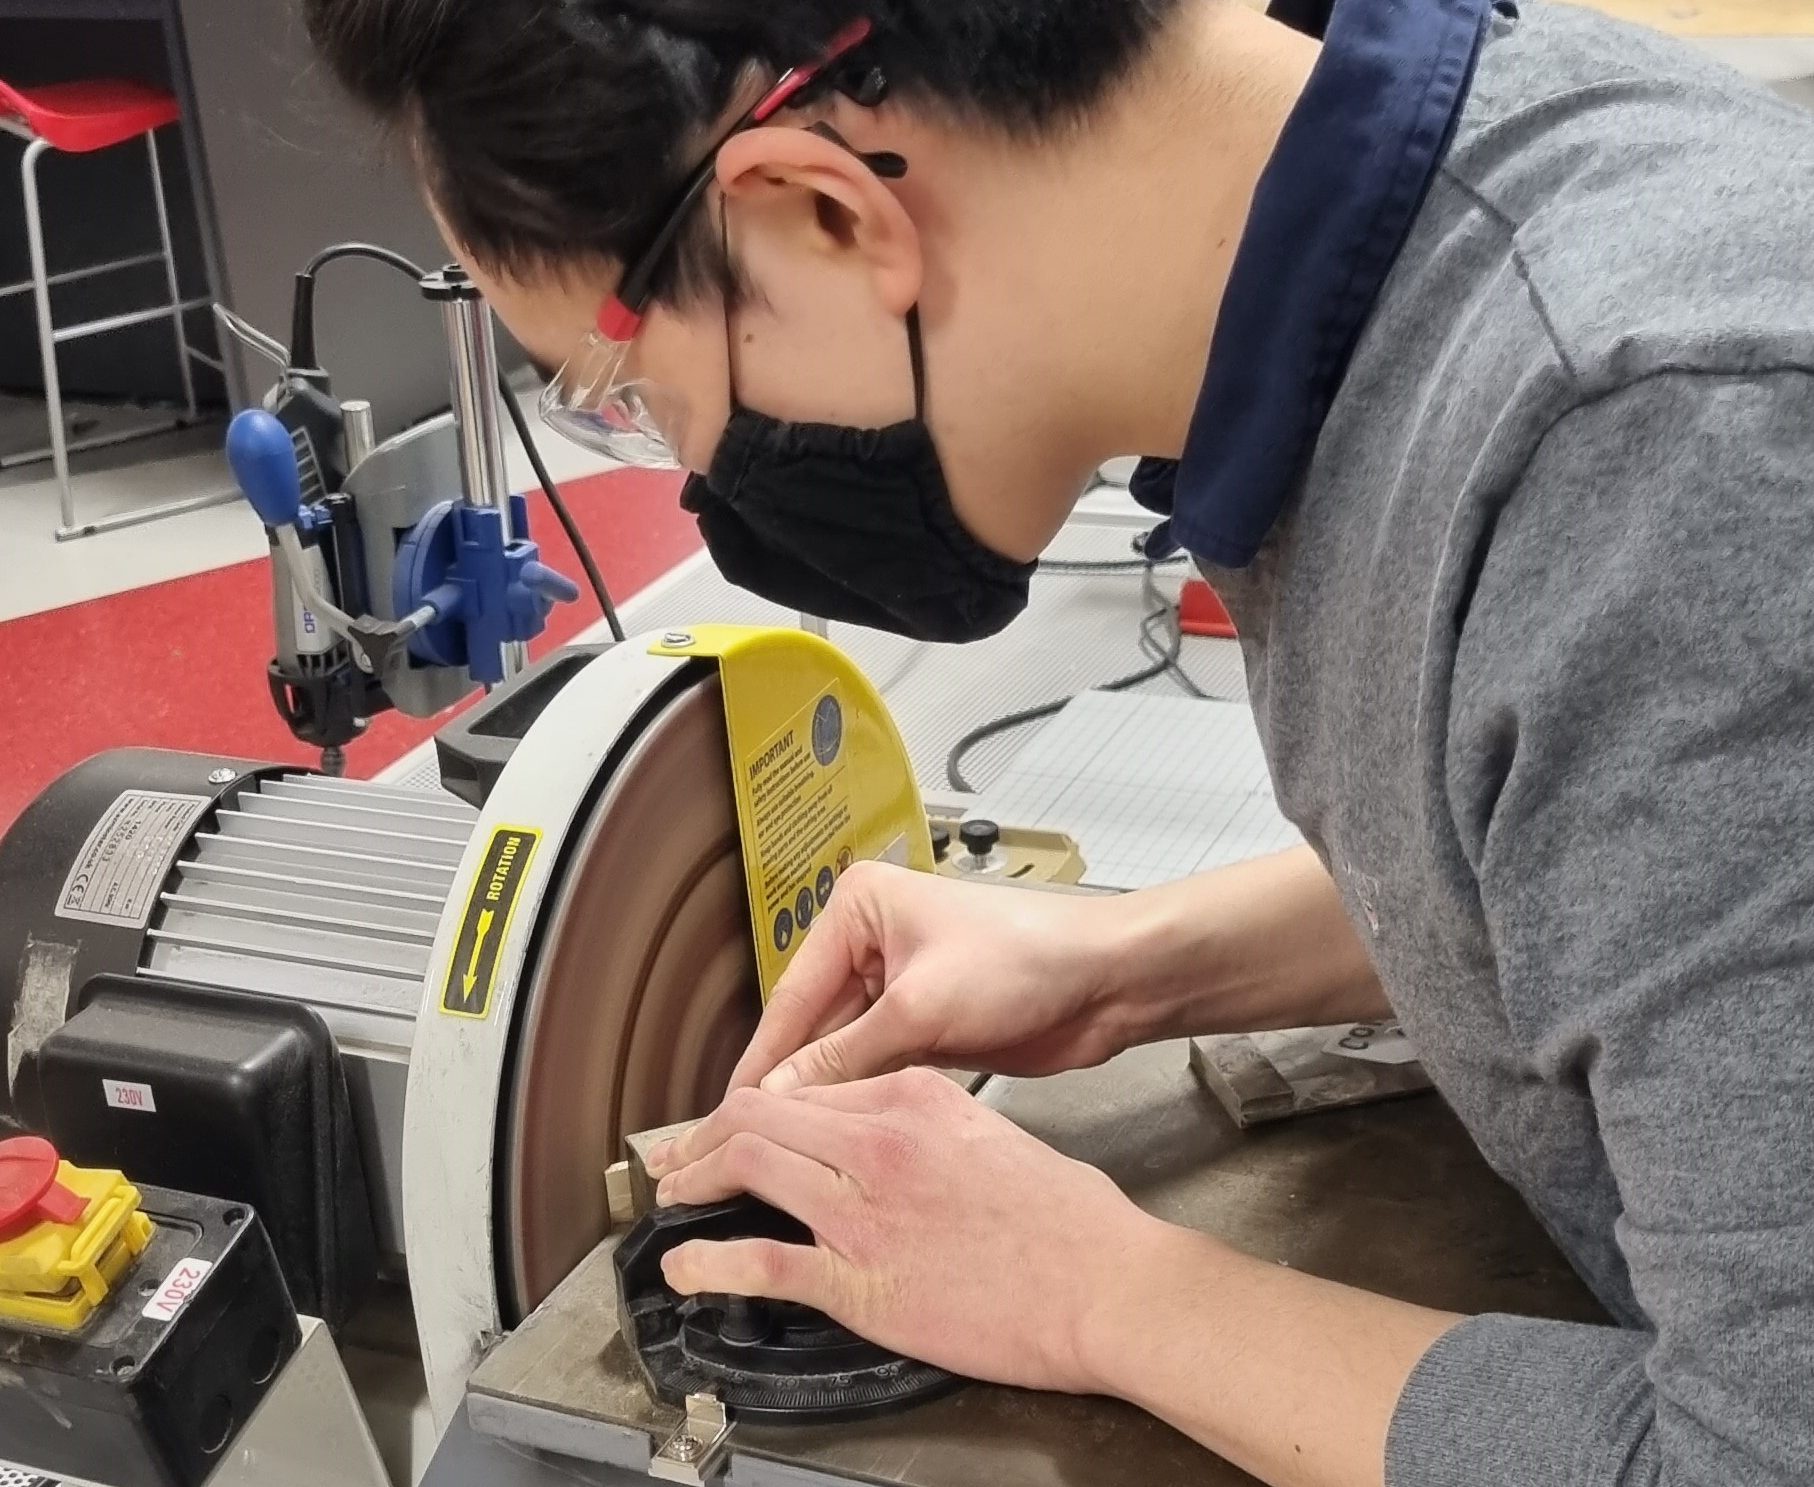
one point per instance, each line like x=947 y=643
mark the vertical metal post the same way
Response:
x=47 y=332
x=176 y=294
x=472 y=354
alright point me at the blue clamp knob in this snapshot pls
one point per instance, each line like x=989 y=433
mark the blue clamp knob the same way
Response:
x=546 y=583
x=264 y=464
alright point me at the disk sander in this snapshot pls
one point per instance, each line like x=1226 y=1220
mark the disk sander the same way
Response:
x=571 y=946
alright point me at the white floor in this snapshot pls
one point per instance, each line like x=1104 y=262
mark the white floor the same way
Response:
x=39 y=573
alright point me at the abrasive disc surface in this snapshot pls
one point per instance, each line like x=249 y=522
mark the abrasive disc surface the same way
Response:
x=643 y=996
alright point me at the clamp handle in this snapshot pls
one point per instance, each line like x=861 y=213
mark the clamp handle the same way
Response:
x=548 y=584
x=264 y=463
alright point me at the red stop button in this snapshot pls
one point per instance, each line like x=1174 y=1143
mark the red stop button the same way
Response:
x=29 y=1191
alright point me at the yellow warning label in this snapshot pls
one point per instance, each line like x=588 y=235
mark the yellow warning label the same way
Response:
x=800 y=819
x=822 y=779
x=473 y=971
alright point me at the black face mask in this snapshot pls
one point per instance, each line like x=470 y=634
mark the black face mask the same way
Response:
x=852 y=524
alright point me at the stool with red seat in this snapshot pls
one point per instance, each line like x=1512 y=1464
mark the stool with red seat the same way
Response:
x=77 y=118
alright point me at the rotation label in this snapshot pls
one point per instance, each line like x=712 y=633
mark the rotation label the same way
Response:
x=473 y=972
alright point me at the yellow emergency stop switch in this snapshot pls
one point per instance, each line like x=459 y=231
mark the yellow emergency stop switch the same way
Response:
x=67 y=1235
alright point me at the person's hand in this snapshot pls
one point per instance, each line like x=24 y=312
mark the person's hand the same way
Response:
x=912 y=968
x=944 y=1231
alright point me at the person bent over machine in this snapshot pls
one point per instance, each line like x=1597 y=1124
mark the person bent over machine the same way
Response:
x=1471 y=345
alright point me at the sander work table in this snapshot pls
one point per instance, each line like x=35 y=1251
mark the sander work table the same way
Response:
x=1391 y=1197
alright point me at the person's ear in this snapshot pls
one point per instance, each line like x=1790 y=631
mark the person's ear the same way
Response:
x=843 y=206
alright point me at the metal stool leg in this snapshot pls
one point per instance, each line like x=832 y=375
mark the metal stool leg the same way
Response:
x=176 y=294
x=47 y=334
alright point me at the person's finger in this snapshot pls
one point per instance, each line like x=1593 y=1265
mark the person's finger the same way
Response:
x=825 y=971
x=883 y=1039
x=815 y=1133
x=748 y=1163
x=903 y=1089
x=800 y=1273
x=791 y=1021
x=860 y=1097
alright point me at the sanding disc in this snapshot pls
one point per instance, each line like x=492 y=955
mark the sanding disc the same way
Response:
x=644 y=992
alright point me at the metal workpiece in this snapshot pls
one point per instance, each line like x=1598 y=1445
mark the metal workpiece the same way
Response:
x=1392 y=1198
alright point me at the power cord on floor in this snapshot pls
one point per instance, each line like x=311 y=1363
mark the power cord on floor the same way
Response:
x=302 y=355
x=1160 y=613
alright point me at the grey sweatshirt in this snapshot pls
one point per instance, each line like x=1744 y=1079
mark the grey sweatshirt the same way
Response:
x=1532 y=652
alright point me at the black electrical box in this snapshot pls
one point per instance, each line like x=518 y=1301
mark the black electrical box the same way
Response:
x=235 y=1096
x=155 y=1387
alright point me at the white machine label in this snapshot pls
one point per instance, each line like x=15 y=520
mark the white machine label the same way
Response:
x=124 y=1096
x=176 y=1290
x=121 y=866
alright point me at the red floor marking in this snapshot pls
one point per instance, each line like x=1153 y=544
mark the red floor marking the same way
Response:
x=181 y=665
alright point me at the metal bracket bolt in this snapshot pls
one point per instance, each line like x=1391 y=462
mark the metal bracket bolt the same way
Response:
x=694 y=1453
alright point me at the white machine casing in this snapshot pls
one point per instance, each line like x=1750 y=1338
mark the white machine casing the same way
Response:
x=458 y=1064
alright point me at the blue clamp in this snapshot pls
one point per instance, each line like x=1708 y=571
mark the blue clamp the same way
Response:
x=486 y=593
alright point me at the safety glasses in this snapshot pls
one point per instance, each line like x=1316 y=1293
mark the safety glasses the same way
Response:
x=597 y=400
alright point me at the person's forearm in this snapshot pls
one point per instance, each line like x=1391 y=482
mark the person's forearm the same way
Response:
x=1261 y=944
x=1290 y=1377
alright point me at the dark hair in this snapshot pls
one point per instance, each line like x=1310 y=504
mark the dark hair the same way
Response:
x=557 y=130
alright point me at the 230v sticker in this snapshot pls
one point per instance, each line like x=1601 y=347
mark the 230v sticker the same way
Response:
x=472 y=974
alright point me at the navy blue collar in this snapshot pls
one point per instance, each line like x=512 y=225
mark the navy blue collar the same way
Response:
x=1329 y=215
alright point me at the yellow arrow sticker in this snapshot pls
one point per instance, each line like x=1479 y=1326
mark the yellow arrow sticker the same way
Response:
x=473 y=968
x=478 y=949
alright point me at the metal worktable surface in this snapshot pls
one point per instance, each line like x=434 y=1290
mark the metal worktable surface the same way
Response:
x=1391 y=1197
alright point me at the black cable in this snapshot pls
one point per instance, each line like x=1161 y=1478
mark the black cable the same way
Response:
x=372 y=251
x=302 y=302
x=303 y=334
x=561 y=513
x=1108 y=565
x=1136 y=561
x=1167 y=661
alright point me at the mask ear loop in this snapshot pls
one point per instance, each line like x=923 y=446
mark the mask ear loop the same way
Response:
x=726 y=292
x=916 y=353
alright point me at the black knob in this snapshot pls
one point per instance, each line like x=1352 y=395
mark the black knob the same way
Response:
x=941 y=841
x=979 y=837
x=746 y=1321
